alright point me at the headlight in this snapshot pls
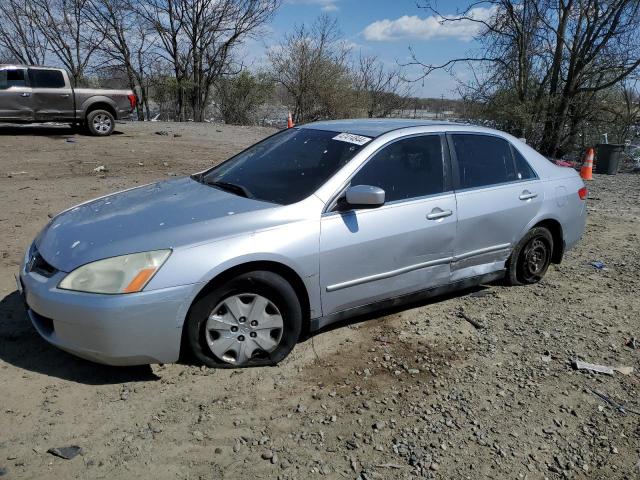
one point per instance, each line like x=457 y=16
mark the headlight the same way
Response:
x=124 y=274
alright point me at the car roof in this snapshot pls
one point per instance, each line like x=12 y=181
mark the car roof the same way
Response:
x=373 y=127
x=17 y=65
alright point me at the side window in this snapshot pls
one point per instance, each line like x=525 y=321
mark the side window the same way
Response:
x=405 y=169
x=46 y=78
x=12 y=78
x=523 y=169
x=483 y=160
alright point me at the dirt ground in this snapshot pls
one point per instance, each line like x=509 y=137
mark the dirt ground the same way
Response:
x=411 y=393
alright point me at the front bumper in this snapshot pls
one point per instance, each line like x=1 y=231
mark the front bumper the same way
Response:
x=131 y=329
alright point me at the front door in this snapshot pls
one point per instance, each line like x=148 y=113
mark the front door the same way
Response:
x=367 y=255
x=52 y=95
x=15 y=95
x=498 y=194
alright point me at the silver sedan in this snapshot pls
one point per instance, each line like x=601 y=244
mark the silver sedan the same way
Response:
x=312 y=225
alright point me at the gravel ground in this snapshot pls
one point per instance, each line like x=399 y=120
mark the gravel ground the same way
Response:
x=410 y=393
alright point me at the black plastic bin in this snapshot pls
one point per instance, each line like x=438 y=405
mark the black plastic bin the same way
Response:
x=608 y=158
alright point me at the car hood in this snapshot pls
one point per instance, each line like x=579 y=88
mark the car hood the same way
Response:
x=167 y=214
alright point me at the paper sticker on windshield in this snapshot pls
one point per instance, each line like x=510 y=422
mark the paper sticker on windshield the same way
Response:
x=351 y=138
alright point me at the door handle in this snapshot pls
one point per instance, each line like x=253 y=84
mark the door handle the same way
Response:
x=527 y=195
x=25 y=94
x=438 y=213
x=64 y=95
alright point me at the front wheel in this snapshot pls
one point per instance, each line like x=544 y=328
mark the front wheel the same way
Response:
x=252 y=320
x=100 y=123
x=530 y=259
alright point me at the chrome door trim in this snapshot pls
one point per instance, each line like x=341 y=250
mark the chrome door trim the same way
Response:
x=481 y=251
x=383 y=275
x=417 y=266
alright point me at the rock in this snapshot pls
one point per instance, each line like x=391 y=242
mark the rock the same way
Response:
x=379 y=425
x=162 y=132
x=268 y=455
x=218 y=451
x=301 y=408
x=65 y=452
x=101 y=169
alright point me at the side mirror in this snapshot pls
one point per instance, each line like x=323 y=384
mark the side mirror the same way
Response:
x=365 y=196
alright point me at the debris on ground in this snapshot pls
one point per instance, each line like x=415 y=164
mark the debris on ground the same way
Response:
x=100 y=169
x=618 y=406
x=624 y=370
x=162 y=132
x=66 y=452
x=3 y=471
x=592 y=367
x=13 y=174
x=70 y=140
x=598 y=265
x=476 y=323
x=632 y=343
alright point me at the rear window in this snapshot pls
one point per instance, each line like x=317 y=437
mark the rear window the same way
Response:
x=12 y=78
x=46 y=78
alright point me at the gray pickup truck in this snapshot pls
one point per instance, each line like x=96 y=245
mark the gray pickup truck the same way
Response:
x=41 y=94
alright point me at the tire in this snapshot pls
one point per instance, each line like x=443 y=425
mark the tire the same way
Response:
x=530 y=259
x=100 y=123
x=221 y=333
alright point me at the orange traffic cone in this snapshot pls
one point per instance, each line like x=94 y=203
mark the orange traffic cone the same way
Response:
x=586 y=172
x=289 y=121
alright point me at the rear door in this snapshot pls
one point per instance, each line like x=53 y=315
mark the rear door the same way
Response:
x=497 y=193
x=15 y=95
x=367 y=255
x=52 y=95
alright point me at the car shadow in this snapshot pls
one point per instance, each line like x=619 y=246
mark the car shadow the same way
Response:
x=472 y=291
x=22 y=347
x=44 y=130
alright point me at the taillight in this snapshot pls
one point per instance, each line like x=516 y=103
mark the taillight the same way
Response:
x=132 y=100
x=583 y=193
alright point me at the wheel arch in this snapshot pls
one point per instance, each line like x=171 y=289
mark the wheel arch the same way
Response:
x=99 y=104
x=555 y=228
x=285 y=271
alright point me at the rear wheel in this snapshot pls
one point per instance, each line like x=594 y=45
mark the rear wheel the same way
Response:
x=252 y=320
x=100 y=123
x=530 y=259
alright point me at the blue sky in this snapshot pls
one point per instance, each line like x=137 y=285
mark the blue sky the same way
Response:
x=387 y=28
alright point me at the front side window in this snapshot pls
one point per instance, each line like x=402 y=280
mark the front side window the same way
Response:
x=483 y=160
x=41 y=78
x=284 y=168
x=408 y=168
x=12 y=78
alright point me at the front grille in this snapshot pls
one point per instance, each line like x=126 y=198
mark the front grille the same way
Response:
x=39 y=265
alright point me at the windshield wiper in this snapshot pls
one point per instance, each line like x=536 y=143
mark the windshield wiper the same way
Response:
x=230 y=187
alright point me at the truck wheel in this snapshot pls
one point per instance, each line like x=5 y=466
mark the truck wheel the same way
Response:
x=100 y=123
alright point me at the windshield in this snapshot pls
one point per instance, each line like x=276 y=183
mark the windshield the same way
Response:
x=284 y=168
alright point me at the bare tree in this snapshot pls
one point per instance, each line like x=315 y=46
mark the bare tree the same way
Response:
x=312 y=65
x=381 y=90
x=214 y=28
x=62 y=23
x=198 y=37
x=19 y=36
x=552 y=54
x=126 y=44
